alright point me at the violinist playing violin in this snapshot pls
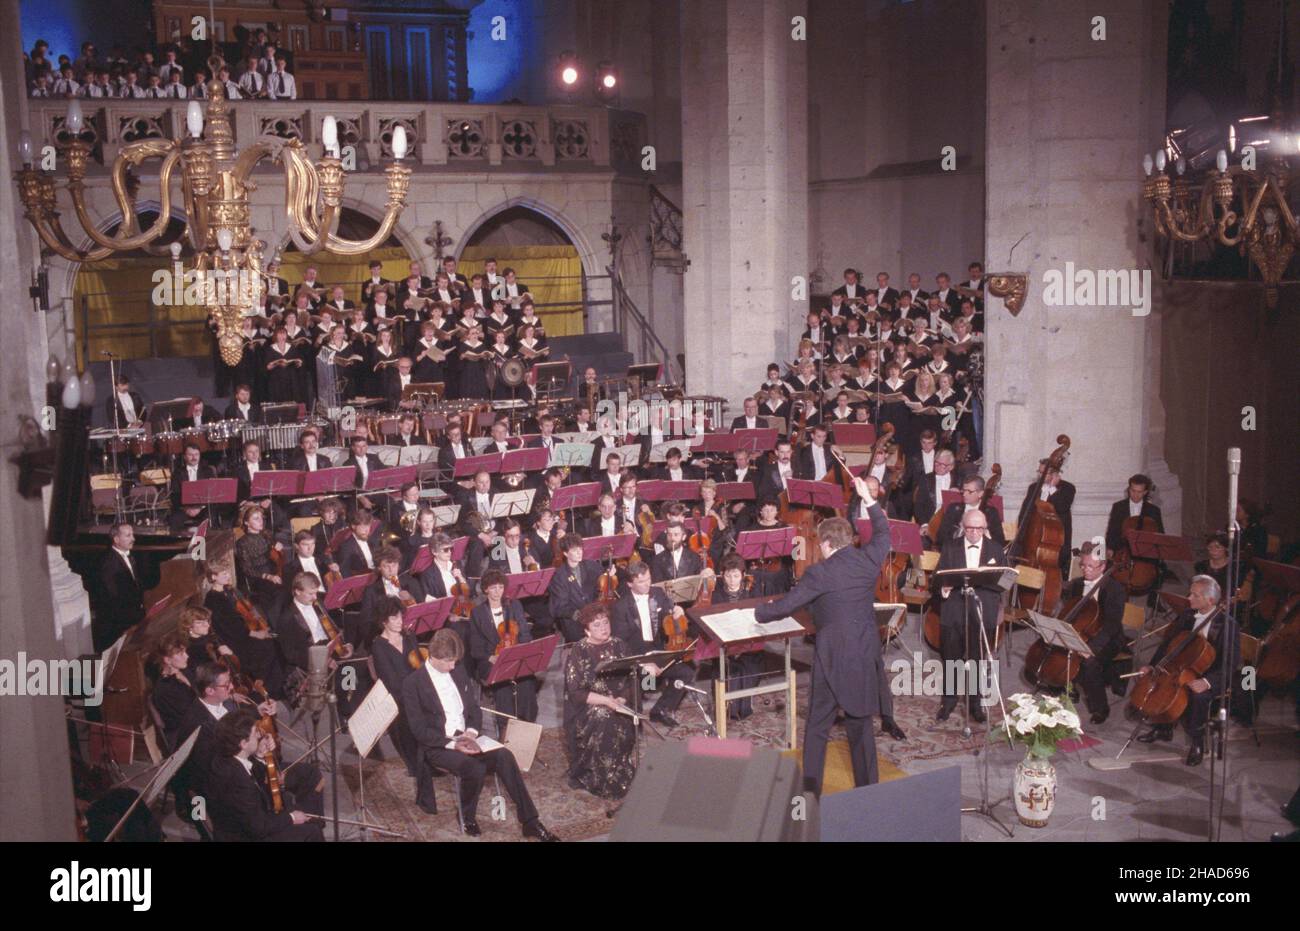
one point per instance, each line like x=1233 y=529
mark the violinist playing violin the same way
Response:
x=389 y=583
x=638 y=620
x=494 y=625
x=573 y=586
x=1098 y=670
x=1205 y=618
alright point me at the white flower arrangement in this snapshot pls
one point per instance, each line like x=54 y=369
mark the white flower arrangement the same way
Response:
x=1040 y=722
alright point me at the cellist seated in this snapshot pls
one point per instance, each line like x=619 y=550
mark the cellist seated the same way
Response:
x=1098 y=670
x=1205 y=619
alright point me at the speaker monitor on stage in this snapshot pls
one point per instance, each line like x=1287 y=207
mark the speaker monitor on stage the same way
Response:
x=925 y=807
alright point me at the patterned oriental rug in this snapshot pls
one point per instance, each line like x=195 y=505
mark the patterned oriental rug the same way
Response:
x=574 y=814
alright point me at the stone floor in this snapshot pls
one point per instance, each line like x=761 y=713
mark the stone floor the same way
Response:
x=1154 y=797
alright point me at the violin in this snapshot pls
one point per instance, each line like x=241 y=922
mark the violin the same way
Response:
x=418 y=657
x=254 y=620
x=530 y=564
x=273 y=778
x=676 y=633
x=700 y=541
x=1160 y=694
x=507 y=636
x=337 y=647
x=462 y=606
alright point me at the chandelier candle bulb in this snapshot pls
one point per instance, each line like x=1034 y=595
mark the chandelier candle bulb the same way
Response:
x=1147 y=164
x=76 y=119
x=1221 y=160
x=194 y=118
x=1180 y=165
x=25 y=147
x=225 y=239
x=1160 y=160
x=399 y=142
x=329 y=134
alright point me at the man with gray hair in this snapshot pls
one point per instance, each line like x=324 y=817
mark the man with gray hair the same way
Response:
x=1205 y=618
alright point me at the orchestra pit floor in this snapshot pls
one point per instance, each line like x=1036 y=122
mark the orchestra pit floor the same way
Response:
x=1156 y=798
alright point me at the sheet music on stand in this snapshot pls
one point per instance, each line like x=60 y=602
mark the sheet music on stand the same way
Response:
x=740 y=624
x=629 y=455
x=513 y=503
x=683 y=589
x=1058 y=633
x=571 y=454
x=371 y=718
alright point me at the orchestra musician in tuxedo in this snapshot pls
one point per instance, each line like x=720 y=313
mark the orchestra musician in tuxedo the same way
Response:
x=307 y=557
x=959 y=631
x=816 y=459
x=847 y=664
x=750 y=420
x=307 y=457
x=407 y=433
x=573 y=586
x=303 y=623
x=453 y=447
x=242 y=806
x=773 y=479
x=125 y=406
x=243 y=407
x=121 y=589
x=1097 y=671
x=445 y=720
x=946 y=294
x=356 y=553
x=477 y=499
x=676 y=560
x=1136 y=503
x=191 y=469
x=972 y=490
x=1206 y=618
x=608 y=519
x=361 y=459
x=927 y=496
x=638 y=620
x=1060 y=495
x=675 y=470
x=612 y=475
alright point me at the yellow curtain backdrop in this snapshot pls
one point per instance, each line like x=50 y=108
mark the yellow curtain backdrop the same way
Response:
x=119 y=292
x=553 y=275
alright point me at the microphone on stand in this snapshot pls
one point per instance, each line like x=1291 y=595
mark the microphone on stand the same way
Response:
x=105 y=352
x=1234 y=469
x=679 y=684
x=317 y=676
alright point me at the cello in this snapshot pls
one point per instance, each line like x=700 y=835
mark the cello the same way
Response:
x=1040 y=534
x=1054 y=666
x=1138 y=575
x=1160 y=694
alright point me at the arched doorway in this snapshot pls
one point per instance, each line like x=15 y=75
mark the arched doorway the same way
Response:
x=544 y=258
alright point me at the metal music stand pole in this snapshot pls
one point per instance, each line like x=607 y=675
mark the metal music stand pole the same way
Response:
x=986 y=655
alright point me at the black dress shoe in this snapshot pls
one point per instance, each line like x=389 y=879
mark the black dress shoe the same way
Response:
x=977 y=713
x=890 y=727
x=945 y=709
x=1099 y=717
x=664 y=718
x=1195 y=755
x=538 y=830
x=1159 y=732
x=472 y=829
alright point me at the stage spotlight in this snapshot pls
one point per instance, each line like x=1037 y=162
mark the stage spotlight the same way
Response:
x=606 y=80
x=569 y=73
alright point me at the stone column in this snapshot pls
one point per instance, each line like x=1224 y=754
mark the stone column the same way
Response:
x=744 y=190
x=35 y=777
x=1069 y=118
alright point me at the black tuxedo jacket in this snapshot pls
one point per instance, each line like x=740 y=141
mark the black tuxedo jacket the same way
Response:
x=953 y=556
x=447 y=456
x=1111 y=597
x=565 y=595
x=393 y=386
x=114 y=409
x=591 y=526
x=298 y=461
x=350 y=558
x=661 y=566
x=1119 y=514
x=1222 y=623
x=1061 y=500
x=890 y=297
x=367 y=295
x=424 y=711
x=690 y=473
x=293 y=634
x=198 y=766
x=803 y=463
x=769 y=482
x=240 y=474
x=372 y=463
x=926 y=499
x=254 y=412
x=849 y=292
x=739 y=422
x=180 y=476
x=241 y=809
x=840 y=591
x=122 y=595
x=625 y=621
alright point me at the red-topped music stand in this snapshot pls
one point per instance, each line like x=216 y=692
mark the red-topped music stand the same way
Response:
x=391 y=478
x=758 y=440
x=904 y=536
x=458 y=547
x=209 y=491
x=854 y=434
x=346 y=592
x=1162 y=546
x=329 y=481
x=528 y=584
x=765 y=544
x=522 y=660
x=533 y=459
x=469 y=466
x=809 y=493
x=568 y=497
x=736 y=491
x=423 y=560
x=426 y=617
x=617 y=546
x=688 y=490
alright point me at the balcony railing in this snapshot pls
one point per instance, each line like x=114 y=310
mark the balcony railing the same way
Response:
x=456 y=136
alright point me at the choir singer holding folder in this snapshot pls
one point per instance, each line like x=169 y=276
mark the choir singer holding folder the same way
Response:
x=847 y=666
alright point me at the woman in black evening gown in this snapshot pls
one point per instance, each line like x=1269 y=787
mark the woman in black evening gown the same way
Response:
x=600 y=738
x=391 y=650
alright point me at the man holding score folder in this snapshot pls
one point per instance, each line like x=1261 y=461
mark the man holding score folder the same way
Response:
x=847 y=664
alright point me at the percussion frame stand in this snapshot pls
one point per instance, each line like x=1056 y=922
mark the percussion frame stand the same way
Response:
x=986 y=654
x=119 y=504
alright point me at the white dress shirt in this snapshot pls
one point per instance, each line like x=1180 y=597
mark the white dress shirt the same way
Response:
x=452 y=705
x=972 y=553
x=308 y=614
x=218 y=711
x=642 y=603
x=281 y=86
x=1134 y=508
x=365 y=551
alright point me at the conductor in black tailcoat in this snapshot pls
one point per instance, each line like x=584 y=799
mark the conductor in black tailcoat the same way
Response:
x=847 y=666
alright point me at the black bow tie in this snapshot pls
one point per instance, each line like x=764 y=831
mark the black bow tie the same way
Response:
x=972 y=546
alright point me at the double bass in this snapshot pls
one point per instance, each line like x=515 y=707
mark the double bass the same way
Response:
x=1040 y=534
x=1057 y=667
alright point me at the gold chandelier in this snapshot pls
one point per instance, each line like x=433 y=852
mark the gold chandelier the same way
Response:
x=1205 y=210
x=214 y=186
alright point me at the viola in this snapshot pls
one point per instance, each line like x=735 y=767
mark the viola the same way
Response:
x=700 y=541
